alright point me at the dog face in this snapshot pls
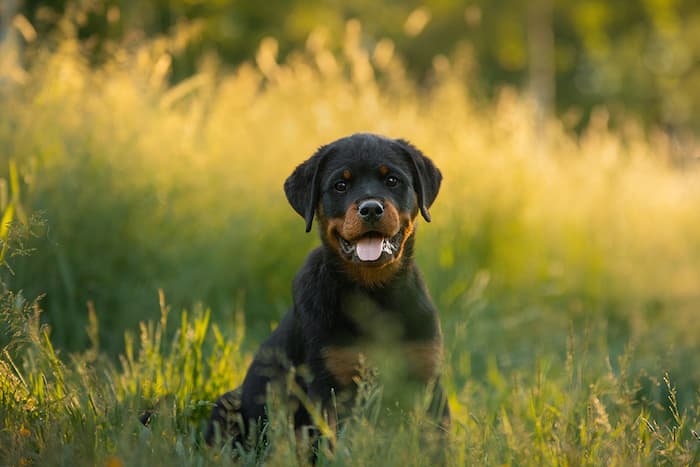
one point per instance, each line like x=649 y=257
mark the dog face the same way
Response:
x=366 y=191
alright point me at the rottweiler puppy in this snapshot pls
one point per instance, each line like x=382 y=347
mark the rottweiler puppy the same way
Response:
x=359 y=297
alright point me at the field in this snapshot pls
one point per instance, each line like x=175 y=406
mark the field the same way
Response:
x=566 y=266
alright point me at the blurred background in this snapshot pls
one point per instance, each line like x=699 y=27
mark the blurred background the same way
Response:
x=638 y=58
x=151 y=141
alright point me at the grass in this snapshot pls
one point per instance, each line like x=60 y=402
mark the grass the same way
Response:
x=84 y=409
x=565 y=266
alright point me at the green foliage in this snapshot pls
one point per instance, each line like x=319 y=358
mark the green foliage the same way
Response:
x=82 y=410
x=636 y=58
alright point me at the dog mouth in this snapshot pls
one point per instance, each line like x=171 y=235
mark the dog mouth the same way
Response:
x=371 y=247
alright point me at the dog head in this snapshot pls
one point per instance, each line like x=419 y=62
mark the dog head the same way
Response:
x=366 y=191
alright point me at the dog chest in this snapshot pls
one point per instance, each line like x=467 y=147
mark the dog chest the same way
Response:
x=373 y=337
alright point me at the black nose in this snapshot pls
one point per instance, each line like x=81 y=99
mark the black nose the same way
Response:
x=371 y=210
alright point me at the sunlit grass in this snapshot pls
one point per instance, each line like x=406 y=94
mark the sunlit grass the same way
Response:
x=566 y=267
x=85 y=411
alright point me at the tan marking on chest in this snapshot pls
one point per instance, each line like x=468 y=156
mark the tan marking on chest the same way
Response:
x=424 y=359
x=421 y=360
x=342 y=362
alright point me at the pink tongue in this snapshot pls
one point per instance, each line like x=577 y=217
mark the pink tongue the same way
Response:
x=369 y=249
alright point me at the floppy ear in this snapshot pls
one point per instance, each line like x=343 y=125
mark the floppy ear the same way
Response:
x=303 y=186
x=426 y=177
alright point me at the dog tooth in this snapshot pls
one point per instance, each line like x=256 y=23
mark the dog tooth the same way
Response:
x=387 y=246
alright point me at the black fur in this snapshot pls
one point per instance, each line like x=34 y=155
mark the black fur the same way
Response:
x=332 y=309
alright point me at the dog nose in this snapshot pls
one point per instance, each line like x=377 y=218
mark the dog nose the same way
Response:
x=370 y=210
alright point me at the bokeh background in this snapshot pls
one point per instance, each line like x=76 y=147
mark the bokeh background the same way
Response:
x=151 y=141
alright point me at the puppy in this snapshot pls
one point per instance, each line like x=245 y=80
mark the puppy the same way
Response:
x=359 y=297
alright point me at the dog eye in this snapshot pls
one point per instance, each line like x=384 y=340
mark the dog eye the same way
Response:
x=391 y=181
x=340 y=186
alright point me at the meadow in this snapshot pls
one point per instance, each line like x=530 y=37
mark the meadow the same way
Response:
x=151 y=248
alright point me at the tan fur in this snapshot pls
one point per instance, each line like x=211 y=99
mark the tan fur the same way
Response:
x=352 y=227
x=374 y=276
x=342 y=362
x=423 y=360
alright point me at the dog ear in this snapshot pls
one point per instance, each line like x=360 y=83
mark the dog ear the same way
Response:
x=302 y=187
x=426 y=177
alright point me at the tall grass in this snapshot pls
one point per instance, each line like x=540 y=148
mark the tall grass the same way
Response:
x=566 y=267
x=84 y=410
